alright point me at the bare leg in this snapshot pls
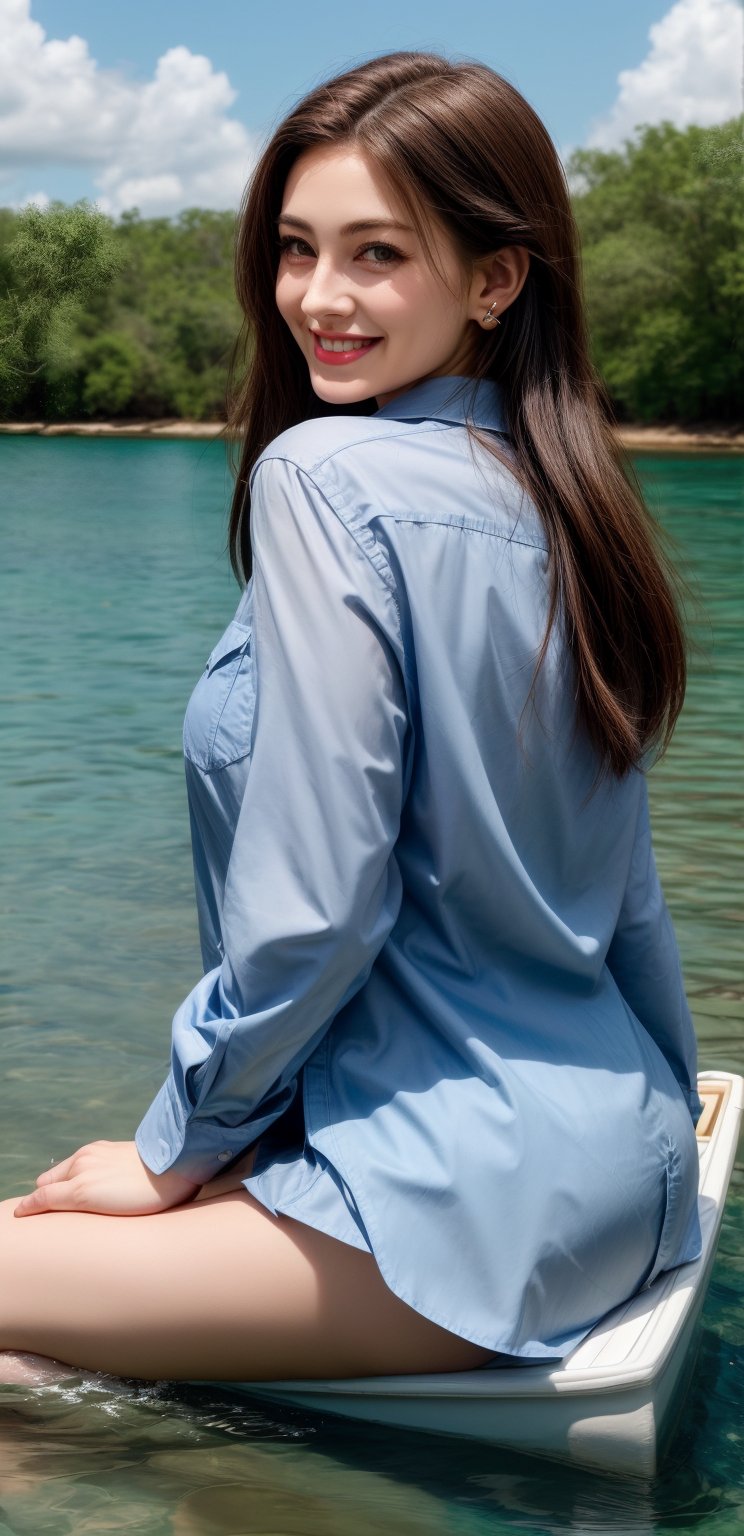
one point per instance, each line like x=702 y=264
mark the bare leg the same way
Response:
x=217 y=1289
x=32 y=1370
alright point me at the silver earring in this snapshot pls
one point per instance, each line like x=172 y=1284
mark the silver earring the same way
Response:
x=489 y=318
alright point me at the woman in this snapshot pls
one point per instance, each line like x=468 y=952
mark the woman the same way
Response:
x=442 y=1027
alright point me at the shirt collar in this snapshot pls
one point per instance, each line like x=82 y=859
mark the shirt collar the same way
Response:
x=450 y=397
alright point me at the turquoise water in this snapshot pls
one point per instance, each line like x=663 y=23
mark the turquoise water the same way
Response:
x=114 y=585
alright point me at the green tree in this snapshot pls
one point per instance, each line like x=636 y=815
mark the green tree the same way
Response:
x=56 y=257
x=113 y=365
x=662 y=223
x=138 y=318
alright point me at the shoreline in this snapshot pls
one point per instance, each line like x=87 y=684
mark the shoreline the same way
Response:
x=636 y=438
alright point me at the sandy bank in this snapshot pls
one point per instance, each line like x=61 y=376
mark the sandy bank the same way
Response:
x=679 y=439
x=640 y=439
x=170 y=428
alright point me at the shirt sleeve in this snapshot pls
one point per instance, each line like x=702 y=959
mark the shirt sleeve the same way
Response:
x=313 y=886
x=644 y=959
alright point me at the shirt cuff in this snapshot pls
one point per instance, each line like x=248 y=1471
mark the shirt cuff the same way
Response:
x=197 y=1150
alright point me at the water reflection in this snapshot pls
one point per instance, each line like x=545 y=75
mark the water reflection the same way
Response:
x=99 y=1454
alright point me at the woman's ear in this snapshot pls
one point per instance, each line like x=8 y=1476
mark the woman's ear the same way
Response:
x=497 y=280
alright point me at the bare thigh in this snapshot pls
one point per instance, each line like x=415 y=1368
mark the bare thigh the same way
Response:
x=217 y=1289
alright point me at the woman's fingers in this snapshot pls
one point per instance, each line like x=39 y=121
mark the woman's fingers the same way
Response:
x=64 y=1195
x=84 y=1156
x=54 y=1190
x=59 y=1171
x=107 y=1177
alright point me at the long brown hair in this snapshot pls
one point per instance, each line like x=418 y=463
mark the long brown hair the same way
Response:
x=458 y=140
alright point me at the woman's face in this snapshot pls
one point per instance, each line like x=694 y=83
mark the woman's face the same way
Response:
x=370 y=284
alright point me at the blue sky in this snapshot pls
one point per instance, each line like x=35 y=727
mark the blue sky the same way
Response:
x=102 y=117
x=564 y=55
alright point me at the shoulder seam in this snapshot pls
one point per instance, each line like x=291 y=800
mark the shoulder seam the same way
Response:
x=379 y=564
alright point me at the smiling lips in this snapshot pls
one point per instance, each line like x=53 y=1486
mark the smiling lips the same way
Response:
x=342 y=349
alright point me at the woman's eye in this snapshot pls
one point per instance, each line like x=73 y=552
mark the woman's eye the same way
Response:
x=380 y=255
x=389 y=254
x=288 y=240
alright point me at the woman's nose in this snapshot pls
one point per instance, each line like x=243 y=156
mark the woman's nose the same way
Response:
x=326 y=293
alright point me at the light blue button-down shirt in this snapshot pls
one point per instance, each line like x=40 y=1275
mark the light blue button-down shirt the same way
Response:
x=411 y=912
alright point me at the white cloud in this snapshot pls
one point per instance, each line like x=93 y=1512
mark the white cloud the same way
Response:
x=160 y=144
x=691 y=74
x=39 y=199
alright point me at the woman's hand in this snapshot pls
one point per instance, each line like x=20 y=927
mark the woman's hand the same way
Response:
x=108 y=1177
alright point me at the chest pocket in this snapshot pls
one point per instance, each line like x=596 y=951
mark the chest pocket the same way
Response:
x=219 y=716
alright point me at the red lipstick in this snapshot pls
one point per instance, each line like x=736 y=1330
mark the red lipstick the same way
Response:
x=335 y=358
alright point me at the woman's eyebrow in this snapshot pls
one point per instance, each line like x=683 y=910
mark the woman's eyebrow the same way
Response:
x=356 y=228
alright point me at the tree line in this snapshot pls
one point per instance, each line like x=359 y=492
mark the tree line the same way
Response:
x=137 y=318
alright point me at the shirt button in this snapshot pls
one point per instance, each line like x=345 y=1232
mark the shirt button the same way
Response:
x=224 y=1157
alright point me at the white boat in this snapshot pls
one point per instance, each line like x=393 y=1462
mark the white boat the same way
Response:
x=612 y=1402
